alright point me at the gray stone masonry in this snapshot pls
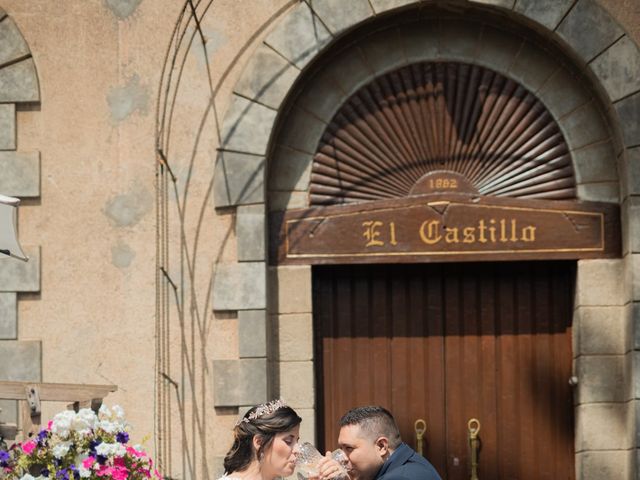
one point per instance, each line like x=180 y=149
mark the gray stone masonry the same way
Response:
x=13 y=45
x=240 y=286
x=380 y=6
x=589 y=29
x=7 y=126
x=238 y=179
x=267 y=77
x=546 y=12
x=250 y=232
x=339 y=15
x=618 y=68
x=20 y=174
x=252 y=333
x=19 y=276
x=606 y=464
x=508 y=4
x=19 y=82
x=604 y=426
x=247 y=126
x=8 y=316
x=299 y=36
x=291 y=170
x=20 y=361
x=584 y=126
x=239 y=382
x=601 y=378
x=595 y=163
x=628 y=110
x=599 y=192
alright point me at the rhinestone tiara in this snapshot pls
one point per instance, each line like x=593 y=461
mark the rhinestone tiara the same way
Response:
x=263 y=409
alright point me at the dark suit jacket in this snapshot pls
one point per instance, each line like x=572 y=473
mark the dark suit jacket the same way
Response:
x=405 y=464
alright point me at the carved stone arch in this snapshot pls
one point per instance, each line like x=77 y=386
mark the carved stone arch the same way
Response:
x=572 y=56
x=20 y=178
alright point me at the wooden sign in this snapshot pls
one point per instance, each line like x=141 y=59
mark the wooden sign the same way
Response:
x=449 y=227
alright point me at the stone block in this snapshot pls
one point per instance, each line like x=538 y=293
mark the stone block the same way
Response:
x=508 y=4
x=8 y=411
x=20 y=174
x=20 y=361
x=603 y=426
x=601 y=378
x=295 y=333
x=240 y=286
x=630 y=171
x=252 y=333
x=599 y=282
x=19 y=82
x=380 y=6
x=302 y=131
x=459 y=41
x=12 y=44
x=609 y=464
x=296 y=384
x=19 y=276
x=238 y=179
x=290 y=289
x=299 y=36
x=280 y=201
x=384 y=50
x=267 y=77
x=323 y=96
x=290 y=170
x=595 y=163
x=532 y=67
x=562 y=94
x=603 y=330
x=239 y=382
x=633 y=376
x=599 y=192
x=589 y=29
x=628 y=111
x=632 y=271
x=545 y=12
x=633 y=317
x=421 y=41
x=308 y=425
x=339 y=15
x=247 y=127
x=498 y=50
x=618 y=68
x=7 y=125
x=8 y=316
x=586 y=125
x=250 y=232
x=631 y=225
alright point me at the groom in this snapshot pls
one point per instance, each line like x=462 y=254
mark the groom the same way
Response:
x=371 y=439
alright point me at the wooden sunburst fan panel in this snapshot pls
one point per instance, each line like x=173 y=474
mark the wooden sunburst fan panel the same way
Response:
x=441 y=116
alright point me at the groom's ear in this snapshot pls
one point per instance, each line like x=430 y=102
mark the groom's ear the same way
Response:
x=382 y=446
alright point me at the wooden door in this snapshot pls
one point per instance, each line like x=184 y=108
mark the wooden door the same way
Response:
x=447 y=343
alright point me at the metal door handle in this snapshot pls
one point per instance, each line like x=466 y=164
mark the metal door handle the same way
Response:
x=474 y=445
x=420 y=426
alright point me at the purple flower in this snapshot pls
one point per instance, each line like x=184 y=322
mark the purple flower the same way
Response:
x=4 y=458
x=101 y=459
x=122 y=437
x=42 y=437
x=44 y=472
x=62 y=474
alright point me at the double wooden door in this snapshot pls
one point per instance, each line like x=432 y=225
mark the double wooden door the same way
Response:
x=447 y=343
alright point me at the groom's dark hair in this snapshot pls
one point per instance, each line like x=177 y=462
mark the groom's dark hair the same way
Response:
x=375 y=422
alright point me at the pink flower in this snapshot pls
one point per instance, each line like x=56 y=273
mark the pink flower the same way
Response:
x=157 y=474
x=28 y=447
x=135 y=453
x=88 y=462
x=119 y=462
x=49 y=425
x=120 y=473
x=104 y=470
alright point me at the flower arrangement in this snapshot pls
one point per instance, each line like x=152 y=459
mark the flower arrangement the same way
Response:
x=77 y=446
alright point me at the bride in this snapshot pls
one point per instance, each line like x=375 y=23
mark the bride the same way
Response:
x=265 y=444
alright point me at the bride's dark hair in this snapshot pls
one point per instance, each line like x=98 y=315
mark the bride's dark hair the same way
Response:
x=265 y=425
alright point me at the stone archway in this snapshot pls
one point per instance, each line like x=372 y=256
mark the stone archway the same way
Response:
x=19 y=359
x=273 y=122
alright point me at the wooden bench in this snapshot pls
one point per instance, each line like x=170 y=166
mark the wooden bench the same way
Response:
x=30 y=394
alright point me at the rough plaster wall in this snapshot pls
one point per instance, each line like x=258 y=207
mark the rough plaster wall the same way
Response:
x=99 y=64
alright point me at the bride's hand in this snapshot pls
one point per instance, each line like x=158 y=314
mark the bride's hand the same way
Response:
x=329 y=468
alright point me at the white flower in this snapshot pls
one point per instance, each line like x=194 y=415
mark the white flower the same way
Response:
x=104 y=413
x=111 y=450
x=118 y=413
x=26 y=476
x=84 y=472
x=107 y=426
x=84 y=421
x=61 y=449
x=61 y=424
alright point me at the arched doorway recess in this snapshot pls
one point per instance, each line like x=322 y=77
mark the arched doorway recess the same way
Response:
x=585 y=103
